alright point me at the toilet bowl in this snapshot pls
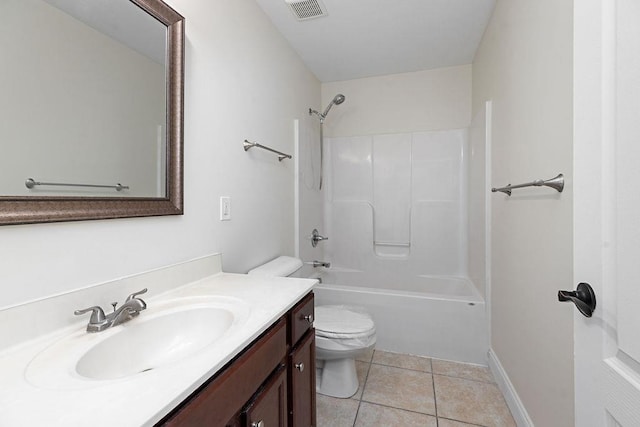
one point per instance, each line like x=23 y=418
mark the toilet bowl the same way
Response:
x=342 y=334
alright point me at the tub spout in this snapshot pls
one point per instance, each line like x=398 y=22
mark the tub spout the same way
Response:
x=317 y=264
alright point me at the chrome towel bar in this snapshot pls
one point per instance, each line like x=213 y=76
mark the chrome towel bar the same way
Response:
x=281 y=155
x=30 y=183
x=556 y=183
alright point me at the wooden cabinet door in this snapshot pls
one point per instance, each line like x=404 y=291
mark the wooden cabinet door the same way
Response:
x=269 y=407
x=302 y=375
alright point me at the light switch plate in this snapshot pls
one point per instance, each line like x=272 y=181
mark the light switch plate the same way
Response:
x=225 y=208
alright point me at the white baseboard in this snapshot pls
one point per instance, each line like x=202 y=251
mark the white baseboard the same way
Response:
x=516 y=406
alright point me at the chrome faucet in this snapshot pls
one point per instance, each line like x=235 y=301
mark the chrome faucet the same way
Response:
x=317 y=264
x=130 y=309
x=316 y=237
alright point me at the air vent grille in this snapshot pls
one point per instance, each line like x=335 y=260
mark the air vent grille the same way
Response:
x=307 y=9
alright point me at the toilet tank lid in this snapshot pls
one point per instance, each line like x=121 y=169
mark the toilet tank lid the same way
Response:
x=280 y=267
x=342 y=320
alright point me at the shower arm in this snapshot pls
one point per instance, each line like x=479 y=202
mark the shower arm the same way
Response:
x=317 y=113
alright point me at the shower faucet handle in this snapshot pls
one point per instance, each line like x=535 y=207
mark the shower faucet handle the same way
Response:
x=316 y=237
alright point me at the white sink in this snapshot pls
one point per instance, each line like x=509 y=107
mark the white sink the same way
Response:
x=148 y=344
x=161 y=336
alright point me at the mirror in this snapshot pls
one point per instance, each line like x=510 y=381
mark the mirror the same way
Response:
x=92 y=110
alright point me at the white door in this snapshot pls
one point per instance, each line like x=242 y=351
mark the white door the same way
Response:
x=607 y=210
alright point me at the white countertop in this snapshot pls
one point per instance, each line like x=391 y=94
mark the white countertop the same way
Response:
x=141 y=399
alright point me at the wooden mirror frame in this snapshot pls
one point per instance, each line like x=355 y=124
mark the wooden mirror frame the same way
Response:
x=38 y=209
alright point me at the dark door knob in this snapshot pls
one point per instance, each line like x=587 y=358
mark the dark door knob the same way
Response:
x=583 y=297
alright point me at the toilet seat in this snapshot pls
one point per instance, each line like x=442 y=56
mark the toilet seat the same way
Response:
x=343 y=322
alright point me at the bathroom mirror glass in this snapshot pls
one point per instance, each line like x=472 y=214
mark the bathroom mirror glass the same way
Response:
x=91 y=110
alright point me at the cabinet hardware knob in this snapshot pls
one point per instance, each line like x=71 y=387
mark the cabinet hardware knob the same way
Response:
x=258 y=424
x=300 y=366
x=308 y=318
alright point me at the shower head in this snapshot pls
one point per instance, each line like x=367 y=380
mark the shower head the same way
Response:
x=337 y=100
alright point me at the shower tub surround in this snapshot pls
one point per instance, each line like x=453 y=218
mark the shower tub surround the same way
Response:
x=396 y=216
x=398 y=201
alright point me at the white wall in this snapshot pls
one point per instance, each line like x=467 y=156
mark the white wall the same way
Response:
x=524 y=65
x=242 y=81
x=410 y=102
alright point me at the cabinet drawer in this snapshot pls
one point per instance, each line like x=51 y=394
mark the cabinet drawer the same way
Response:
x=301 y=319
x=215 y=403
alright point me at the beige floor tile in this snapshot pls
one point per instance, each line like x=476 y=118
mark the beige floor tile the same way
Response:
x=472 y=402
x=443 y=422
x=462 y=370
x=376 y=415
x=400 y=388
x=366 y=357
x=332 y=412
x=362 y=369
x=405 y=361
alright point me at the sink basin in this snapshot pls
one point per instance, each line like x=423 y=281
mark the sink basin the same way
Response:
x=161 y=336
x=143 y=346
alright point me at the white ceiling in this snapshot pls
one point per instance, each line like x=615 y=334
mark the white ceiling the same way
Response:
x=363 y=38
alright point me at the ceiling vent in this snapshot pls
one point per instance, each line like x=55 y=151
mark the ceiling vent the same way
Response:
x=307 y=9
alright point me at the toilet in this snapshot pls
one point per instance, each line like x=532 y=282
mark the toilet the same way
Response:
x=342 y=334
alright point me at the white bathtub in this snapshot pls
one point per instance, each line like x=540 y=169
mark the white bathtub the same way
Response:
x=441 y=317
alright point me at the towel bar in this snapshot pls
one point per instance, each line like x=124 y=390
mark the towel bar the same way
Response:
x=30 y=183
x=556 y=183
x=281 y=155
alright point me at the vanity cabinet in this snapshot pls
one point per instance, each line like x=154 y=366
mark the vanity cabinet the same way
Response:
x=269 y=384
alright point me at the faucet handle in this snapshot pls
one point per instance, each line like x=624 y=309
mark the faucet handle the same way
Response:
x=316 y=237
x=97 y=315
x=135 y=294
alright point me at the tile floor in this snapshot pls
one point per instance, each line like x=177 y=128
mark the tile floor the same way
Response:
x=402 y=390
